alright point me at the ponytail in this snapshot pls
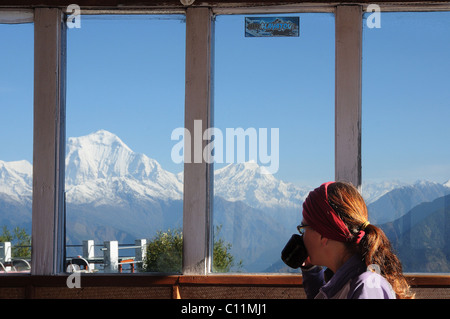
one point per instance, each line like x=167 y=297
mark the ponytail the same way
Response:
x=374 y=246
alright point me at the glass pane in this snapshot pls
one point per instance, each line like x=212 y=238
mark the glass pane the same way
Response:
x=405 y=137
x=276 y=96
x=16 y=146
x=125 y=95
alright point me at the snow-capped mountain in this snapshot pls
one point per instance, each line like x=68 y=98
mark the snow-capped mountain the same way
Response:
x=372 y=191
x=16 y=194
x=397 y=202
x=16 y=180
x=99 y=167
x=247 y=183
x=447 y=184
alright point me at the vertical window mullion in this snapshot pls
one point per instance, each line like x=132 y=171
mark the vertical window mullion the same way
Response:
x=197 y=172
x=348 y=94
x=49 y=141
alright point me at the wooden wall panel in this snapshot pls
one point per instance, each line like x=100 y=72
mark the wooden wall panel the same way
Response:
x=141 y=286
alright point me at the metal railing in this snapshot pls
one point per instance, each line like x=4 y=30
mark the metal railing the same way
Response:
x=10 y=264
x=110 y=261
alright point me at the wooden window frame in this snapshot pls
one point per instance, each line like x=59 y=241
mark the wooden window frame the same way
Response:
x=48 y=224
x=49 y=129
x=198 y=177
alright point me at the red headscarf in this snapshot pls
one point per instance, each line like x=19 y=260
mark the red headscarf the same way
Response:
x=318 y=214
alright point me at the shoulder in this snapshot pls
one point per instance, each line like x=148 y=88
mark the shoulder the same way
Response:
x=371 y=285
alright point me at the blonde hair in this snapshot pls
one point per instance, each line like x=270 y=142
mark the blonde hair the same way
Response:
x=374 y=247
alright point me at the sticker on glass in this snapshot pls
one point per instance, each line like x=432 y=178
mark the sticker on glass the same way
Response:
x=272 y=26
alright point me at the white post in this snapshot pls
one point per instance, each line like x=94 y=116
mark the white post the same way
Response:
x=88 y=251
x=111 y=256
x=140 y=252
x=5 y=253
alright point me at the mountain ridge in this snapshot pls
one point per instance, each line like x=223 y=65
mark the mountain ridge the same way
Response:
x=101 y=168
x=421 y=236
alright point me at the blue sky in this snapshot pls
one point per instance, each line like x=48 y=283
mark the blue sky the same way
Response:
x=287 y=83
x=16 y=92
x=127 y=77
x=406 y=98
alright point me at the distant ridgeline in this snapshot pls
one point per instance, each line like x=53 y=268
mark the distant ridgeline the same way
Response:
x=422 y=236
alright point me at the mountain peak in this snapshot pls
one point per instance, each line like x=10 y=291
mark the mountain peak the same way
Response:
x=424 y=183
x=100 y=154
x=99 y=138
x=247 y=168
x=23 y=166
x=250 y=183
x=101 y=160
x=16 y=179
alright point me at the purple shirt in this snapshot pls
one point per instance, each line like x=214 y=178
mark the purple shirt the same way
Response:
x=351 y=281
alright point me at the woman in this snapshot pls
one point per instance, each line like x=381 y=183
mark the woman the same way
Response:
x=338 y=235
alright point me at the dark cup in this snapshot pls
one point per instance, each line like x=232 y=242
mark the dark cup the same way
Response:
x=294 y=253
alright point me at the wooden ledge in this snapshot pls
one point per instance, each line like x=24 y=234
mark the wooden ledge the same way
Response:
x=145 y=280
